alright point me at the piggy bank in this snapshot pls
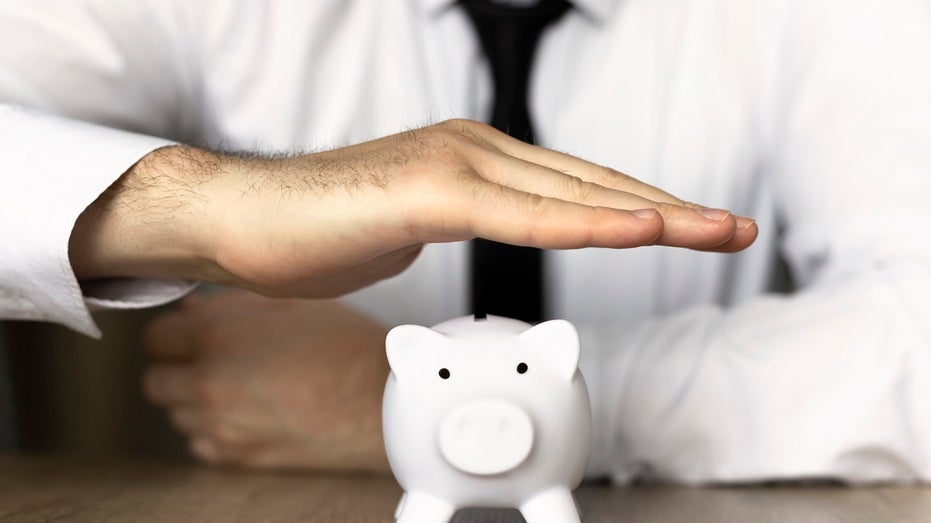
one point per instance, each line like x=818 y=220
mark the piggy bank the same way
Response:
x=486 y=412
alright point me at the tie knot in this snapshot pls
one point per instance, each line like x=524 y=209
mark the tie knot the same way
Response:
x=538 y=14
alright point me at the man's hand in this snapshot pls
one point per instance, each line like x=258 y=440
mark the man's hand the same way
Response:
x=274 y=383
x=328 y=223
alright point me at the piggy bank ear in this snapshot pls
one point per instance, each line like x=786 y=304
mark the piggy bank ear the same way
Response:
x=407 y=347
x=558 y=342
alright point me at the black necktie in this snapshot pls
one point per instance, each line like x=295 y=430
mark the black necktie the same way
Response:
x=508 y=280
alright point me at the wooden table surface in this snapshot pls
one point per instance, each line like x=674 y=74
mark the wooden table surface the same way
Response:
x=35 y=489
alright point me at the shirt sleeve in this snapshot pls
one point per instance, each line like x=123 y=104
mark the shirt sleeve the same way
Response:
x=832 y=380
x=86 y=89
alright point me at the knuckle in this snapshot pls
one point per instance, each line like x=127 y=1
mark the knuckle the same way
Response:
x=537 y=205
x=613 y=176
x=439 y=146
x=664 y=208
x=462 y=126
x=456 y=132
x=580 y=190
x=461 y=133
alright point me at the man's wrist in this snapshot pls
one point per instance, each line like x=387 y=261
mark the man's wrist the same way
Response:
x=157 y=220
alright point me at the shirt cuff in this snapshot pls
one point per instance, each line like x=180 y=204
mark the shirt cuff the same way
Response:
x=133 y=293
x=54 y=168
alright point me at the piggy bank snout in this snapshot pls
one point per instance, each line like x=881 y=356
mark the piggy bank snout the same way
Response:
x=486 y=437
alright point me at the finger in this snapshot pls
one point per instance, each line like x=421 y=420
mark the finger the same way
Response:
x=170 y=384
x=746 y=233
x=169 y=336
x=674 y=235
x=715 y=228
x=684 y=226
x=477 y=207
x=582 y=169
x=611 y=178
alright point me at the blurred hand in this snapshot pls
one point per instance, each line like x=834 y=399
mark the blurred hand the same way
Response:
x=324 y=224
x=271 y=383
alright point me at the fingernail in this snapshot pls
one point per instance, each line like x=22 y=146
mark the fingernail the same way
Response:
x=743 y=222
x=646 y=214
x=718 y=215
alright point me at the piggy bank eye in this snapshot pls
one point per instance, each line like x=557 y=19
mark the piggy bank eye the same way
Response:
x=521 y=368
x=444 y=373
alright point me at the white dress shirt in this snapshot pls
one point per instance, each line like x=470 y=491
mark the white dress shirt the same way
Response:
x=812 y=116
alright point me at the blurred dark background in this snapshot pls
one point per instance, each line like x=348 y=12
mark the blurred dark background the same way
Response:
x=63 y=393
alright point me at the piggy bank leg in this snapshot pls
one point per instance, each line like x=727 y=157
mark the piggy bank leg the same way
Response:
x=400 y=507
x=552 y=506
x=416 y=507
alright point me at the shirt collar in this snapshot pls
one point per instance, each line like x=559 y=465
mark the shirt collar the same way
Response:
x=597 y=10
